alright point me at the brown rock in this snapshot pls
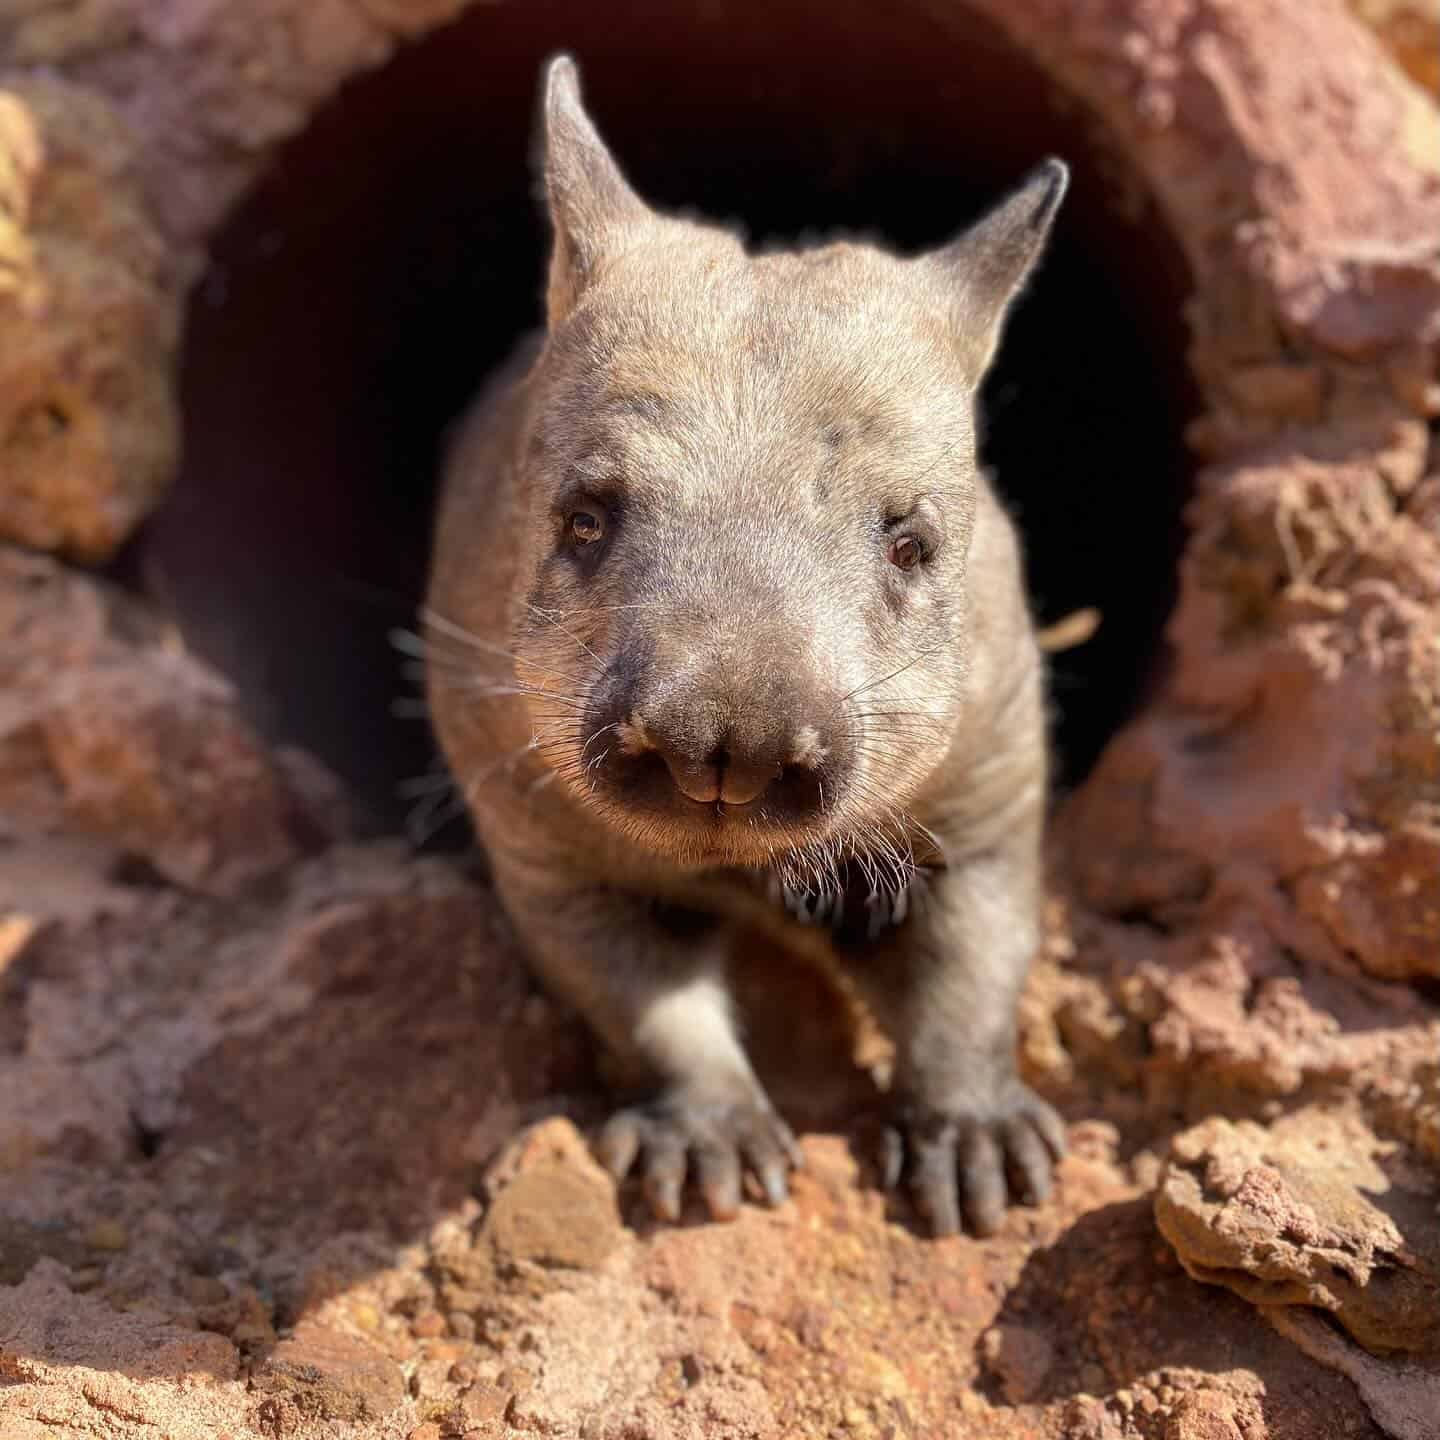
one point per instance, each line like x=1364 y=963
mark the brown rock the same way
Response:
x=89 y=310
x=1213 y=1415
x=553 y=1217
x=107 y=1235
x=1282 y=1218
x=112 y=731
x=553 y=1210
x=551 y=1141
x=482 y=1403
x=1384 y=909
x=1087 y=1418
x=1020 y=1358
x=1283 y=392
x=1403 y=1399
x=328 y=1376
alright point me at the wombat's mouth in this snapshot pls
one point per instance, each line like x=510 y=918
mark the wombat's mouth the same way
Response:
x=637 y=795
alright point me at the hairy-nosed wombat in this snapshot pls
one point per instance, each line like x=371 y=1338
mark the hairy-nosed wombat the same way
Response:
x=725 y=620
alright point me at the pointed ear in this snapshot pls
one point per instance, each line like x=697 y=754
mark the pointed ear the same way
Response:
x=588 y=199
x=987 y=266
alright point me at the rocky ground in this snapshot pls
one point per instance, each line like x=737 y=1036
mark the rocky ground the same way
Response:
x=291 y=1145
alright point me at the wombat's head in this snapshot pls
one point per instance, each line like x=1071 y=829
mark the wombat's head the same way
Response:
x=752 y=488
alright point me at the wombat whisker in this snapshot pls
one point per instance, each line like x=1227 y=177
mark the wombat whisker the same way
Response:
x=604 y=729
x=940 y=459
x=482 y=690
x=900 y=670
x=931 y=836
x=407 y=642
x=460 y=633
x=461 y=675
x=916 y=717
x=469 y=665
x=568 y=633
x=590 y=770
x=483 y=687
x=506 y=762
x=438 y=802
x=902 y=862
x=431 y=816
x=878 y=751
x=596 y=609
x=426 y=784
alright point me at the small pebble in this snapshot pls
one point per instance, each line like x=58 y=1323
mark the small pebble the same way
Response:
x=428 y=1325
x=206 y=1290
x=462 y=1326
x=485 y=1403
x=107 y=1235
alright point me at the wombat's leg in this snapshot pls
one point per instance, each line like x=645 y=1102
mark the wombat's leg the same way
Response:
x=656 y=994
x=946 y=983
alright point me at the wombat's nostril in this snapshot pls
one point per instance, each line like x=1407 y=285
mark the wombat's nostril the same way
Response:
x=721 y=775
x=697 y=780
x=738 y=773
x=744 y=778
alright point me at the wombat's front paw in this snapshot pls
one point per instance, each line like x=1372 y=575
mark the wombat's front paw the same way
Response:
x=958 y=1157
x=715 y=1138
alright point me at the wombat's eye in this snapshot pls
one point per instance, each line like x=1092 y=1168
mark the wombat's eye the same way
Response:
x=905 y=552
x=586 y=526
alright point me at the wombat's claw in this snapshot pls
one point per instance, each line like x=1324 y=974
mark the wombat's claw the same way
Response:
x=957 y=1160
x=715 y=1141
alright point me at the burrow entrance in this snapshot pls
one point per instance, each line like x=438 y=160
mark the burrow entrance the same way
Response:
x=394 y=252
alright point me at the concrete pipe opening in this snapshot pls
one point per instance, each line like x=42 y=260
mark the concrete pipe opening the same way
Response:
x=393 y=252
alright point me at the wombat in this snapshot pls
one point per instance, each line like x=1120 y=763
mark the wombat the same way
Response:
x=725 y=622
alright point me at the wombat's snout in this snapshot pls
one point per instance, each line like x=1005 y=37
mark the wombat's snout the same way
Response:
x=774 y=750
x=733 y=763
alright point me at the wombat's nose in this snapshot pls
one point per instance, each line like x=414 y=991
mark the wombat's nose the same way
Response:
x=737 y=770
x=721 y=774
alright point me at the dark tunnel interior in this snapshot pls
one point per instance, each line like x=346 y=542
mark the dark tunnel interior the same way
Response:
x=393 y=252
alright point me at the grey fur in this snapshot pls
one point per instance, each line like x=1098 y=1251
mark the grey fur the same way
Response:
x=666 y=596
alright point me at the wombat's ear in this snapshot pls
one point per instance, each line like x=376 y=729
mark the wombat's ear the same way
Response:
x=986 y=267
x=588 y=198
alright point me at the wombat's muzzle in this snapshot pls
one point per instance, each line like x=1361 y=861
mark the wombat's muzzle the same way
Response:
x=735 y=738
